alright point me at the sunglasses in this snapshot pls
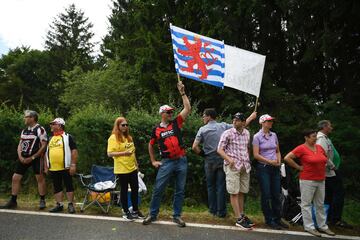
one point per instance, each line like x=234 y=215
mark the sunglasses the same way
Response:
x=28 y=117
x=169 y=112
x=124 y=125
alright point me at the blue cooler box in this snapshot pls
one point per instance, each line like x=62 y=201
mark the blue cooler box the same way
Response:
x=313 y=211
x=129 y=199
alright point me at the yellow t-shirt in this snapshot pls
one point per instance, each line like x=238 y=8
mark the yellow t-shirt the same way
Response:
x=122 y=164
x=56 y=154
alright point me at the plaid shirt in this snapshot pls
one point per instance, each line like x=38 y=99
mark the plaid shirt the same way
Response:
x=236 y=145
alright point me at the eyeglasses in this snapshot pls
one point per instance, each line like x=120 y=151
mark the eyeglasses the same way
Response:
x=124 y=125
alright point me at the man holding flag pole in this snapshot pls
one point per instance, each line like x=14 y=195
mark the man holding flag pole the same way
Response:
x=168 y=136
x=209 y=136
x=234 y=148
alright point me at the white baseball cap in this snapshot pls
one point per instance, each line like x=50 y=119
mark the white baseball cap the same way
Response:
x=165 y=108
x=59 y=121
x=265 y=117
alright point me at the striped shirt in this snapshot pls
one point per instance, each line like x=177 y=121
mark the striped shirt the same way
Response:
x=236 y=146
x=30 y=140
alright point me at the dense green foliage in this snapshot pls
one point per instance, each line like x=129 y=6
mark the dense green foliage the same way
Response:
x=311 y=73
x=105 y=86
x=311 y=47
x=26 y=77
x=69 y=39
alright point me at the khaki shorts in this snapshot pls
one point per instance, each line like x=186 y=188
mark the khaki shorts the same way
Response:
x=236 y=181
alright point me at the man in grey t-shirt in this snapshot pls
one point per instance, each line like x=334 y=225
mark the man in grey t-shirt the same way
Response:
x=334 y=187
x=209 y=136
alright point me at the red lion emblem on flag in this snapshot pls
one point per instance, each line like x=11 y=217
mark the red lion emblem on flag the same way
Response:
x=194 y=51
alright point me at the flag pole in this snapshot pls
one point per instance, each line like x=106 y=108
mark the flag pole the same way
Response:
x=178 y=76
x=256 y=103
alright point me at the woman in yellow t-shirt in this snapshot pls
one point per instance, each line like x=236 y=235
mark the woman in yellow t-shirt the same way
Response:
x=121 y=148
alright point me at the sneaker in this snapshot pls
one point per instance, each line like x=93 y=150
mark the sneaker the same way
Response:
x=343 y=224
x=242 y=223
x=273 y=225
x=314 y=232
x=9 y=205
x=42 y=204
x=149 y=219
x=138 y=215
x=71 y=208
x=282 y=224
x=128 y=216
x=327 y=231
x=179 y=222
x=57 y=208
x=248 y=221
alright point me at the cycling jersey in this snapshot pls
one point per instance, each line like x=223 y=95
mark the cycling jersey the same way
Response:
x=169 y=139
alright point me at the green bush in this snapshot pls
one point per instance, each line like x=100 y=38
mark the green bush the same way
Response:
x=91 y=127
x=10 y=128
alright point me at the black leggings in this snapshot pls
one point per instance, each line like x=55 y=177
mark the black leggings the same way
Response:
x=58 y=177
x=125 y=180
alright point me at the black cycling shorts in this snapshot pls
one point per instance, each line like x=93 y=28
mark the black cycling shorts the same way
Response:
x=58 y=178
x=37 y=166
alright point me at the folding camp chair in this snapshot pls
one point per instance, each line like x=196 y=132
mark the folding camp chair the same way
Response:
x=99 y=187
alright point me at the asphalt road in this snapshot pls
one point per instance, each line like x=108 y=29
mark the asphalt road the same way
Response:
x=56 y=227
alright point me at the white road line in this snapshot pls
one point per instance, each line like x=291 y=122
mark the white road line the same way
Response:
x=199 y=225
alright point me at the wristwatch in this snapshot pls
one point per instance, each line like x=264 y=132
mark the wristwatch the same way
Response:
x=32 y=158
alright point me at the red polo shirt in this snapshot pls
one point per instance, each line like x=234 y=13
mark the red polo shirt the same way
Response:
x=313 y=162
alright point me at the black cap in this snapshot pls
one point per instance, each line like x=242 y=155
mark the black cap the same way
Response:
x=239 y=116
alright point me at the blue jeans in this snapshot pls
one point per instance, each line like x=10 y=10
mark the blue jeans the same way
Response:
x=216 y=185
x=269 y=180
x=169 y=168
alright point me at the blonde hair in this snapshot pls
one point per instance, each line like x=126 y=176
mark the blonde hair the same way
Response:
x=119 y=135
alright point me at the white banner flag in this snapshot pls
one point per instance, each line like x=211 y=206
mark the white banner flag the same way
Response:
x=243 y=70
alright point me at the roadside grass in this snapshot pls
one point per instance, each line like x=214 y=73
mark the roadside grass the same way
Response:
x=194 y=213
